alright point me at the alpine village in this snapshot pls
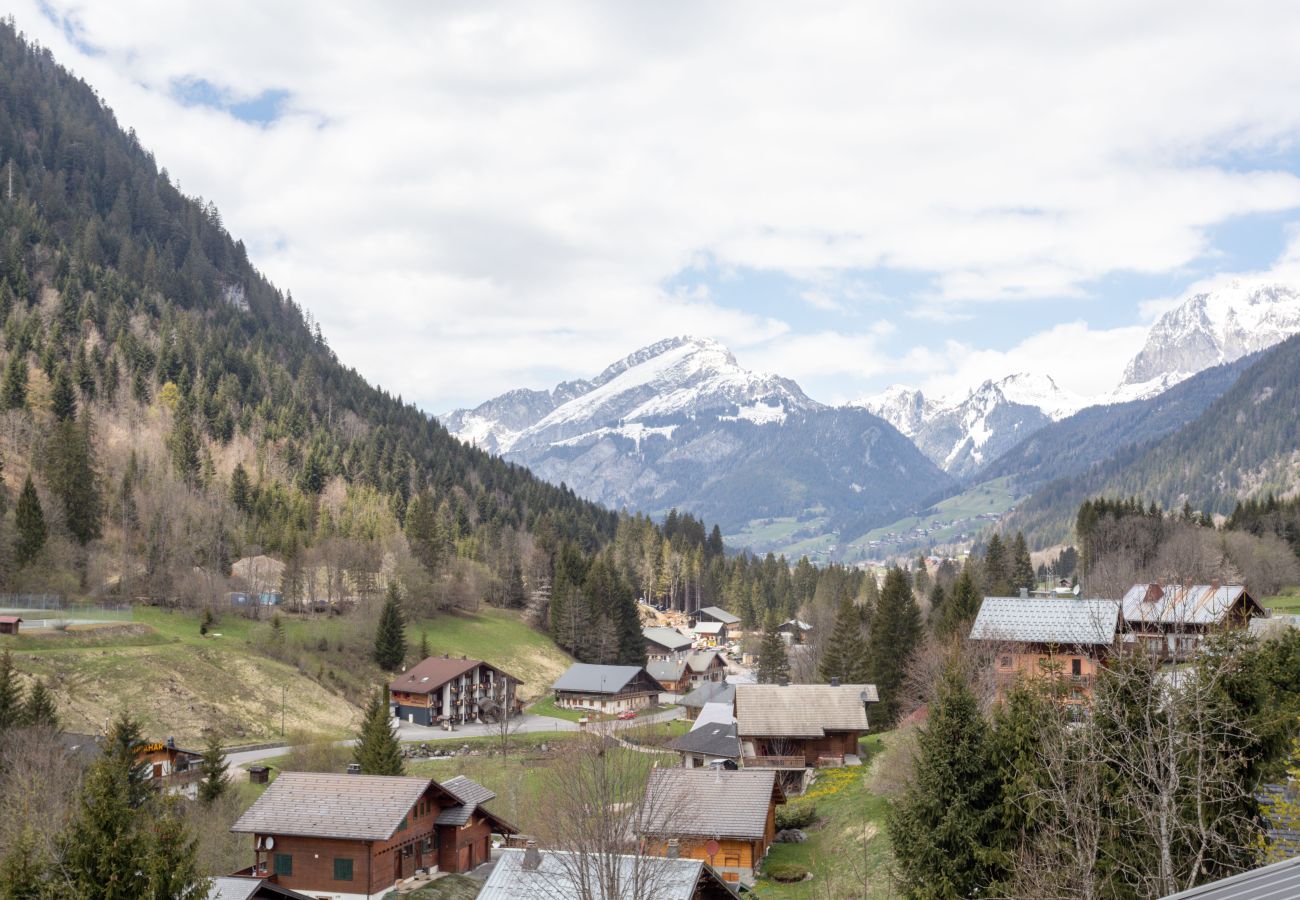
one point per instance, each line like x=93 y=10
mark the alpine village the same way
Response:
x=268 y=630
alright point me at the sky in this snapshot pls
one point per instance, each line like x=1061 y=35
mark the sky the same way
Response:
x=473 y=197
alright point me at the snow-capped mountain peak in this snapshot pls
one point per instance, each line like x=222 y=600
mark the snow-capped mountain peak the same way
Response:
x=1209 y=328
x=906 y=408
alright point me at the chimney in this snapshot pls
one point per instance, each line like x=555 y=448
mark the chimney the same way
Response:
x=1214 y=585
x=532 y=857
x=785 y=681
x=674 y=848
x=1024 y=593
x=835 y=681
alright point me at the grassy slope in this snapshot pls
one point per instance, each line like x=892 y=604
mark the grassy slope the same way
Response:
x=961 y=510
x=849 y=840
x=1288 y=601
x=179 y=682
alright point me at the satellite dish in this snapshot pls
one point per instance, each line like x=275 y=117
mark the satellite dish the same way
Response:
x=270 y=843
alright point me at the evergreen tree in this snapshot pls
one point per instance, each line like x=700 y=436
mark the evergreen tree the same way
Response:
x=183 y=442
x=240 y=495
x=105 y=852
x=937 y=600
x=124 y=738
x=214 y=767
x=63 y=397
x=895 y=631
x=72 y=478
x=960 y=609
x=11 y=694
x=172 y=867
x=997 y=575
x=922 y=579
x=773 y=662
x=1021 y=724
x=390 y=635
x=13 y=391
x=378 y=751
x=23 y=869
x=1022 y=566
x=30 y=522
x=844 y=657
x=940 y=825
x=39 y=709
x=424 y=645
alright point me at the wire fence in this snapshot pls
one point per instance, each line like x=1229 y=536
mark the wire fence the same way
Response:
x=55 y=607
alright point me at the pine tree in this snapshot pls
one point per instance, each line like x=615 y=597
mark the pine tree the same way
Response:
x=844 y=657
x=424 y=645
x=13 y=391
x=378 y=751
x=30 y=521
x=938 y=600
x=960 y=609
x=240 y=496
x=39 y=709
x=105 y=852
x=11 y=694
x=390 y=635
x=63 y=397
x=214 y=767
x=72 y=478
x=23 y=869
x=997 y=576
x=1022 y=566
x=172 y=866
x=939 y=826
x=124 y=737
x=773 y=662
x=895 y=631
x=184 y=442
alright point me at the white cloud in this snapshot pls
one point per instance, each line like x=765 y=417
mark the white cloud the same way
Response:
x=476 y=197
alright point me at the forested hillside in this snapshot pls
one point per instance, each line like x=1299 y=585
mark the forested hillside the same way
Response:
x=167 y=411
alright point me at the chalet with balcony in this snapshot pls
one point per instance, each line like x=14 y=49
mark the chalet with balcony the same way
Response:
x=352 y=837
x=665 y=643
x=705 y=666
x=442 y=690
x=1035 y=637
x=724 y=817
x=168 y=767
x=606 y=689
x=671 y=673
x=710 y=634
x=1171 y=619
x=795 y=726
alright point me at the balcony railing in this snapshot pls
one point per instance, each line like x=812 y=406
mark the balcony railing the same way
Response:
x=775 y=762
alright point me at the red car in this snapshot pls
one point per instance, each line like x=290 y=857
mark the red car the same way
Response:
x=628 y=714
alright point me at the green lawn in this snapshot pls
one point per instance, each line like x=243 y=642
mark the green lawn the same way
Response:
x=847 y=850
x=1288 y=601
x=545 y=706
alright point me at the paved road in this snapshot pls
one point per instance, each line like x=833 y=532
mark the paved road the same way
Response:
x=527 y=724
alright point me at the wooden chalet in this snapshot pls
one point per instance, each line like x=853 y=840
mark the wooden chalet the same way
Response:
x=795 y=726
x=352 y=837
x=534 y=874
x=709 y=744
x=716 y=614
x=725 y=817
x=671 y=673
x=1034 y=637
x=665 y=643
x=707 y=692
x=705 y=666
x=168 y=766
x=710 y=634
x=443 y=690
x=1170 y=620
x=606 y=689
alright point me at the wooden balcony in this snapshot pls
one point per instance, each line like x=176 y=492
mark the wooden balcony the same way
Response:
x=774 y=762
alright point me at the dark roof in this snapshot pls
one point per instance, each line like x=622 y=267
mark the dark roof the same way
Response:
x=587 y=678
x=668 y=879
x=432 y=673
x=669 y=638
x=712 y=739
x=471 y=795
x=1279 y=881
x=718 y=613
x=312 y=804
x=710 y=692
x=713 y=802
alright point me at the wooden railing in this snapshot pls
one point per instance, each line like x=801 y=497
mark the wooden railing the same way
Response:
x=775 y=762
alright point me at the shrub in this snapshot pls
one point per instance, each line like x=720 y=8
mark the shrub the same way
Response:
x=786 y=873
x=795 y=815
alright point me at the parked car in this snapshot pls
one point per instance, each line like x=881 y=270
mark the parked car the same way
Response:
x=627 y=714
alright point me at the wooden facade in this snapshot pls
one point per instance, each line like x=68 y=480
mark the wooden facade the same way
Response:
x=441 y=690
x=10 y=624
x=637 y=692
x=1076 y=667
x=800 y=752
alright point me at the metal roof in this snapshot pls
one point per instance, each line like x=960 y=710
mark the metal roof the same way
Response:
x=432 y=673
x=312 y=804
x=720 y=614
x=665 y=670
x=711 y=803
x=723 y=713
x=711 y=739
x=708 y=627
x=640 y=877
x=1177 y=604
x=710 y=692
x=1280 y=881
x=669 y=638
x=1046 y=621
x=593 y=679
x=471 y=795
x=801 y=710
x=238 y=887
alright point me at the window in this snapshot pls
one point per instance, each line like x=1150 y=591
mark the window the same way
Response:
x=284 y=864
x=1076 y=667
x=342 y=869
x=1005 y=662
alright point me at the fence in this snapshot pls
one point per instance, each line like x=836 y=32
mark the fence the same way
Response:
x=56 y=606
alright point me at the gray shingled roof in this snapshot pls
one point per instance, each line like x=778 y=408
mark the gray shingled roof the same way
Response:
x=660 y=879
x=665 y=670
x=471 y=795
x=702 y=659
x=592 y=679
x=312 y=804
x=720 y=614
x=667 y=637
x=1280 y=881
x=712 y=803
x=236 y=887
x=713 y=739
x=710 y=692
x=801 y=710
x=1176 y=604
x=1049 y=620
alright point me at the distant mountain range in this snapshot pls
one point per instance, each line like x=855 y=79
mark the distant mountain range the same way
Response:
x=681 y=424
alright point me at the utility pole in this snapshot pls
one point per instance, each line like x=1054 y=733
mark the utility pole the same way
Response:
x=282 y=690
x=11 y=180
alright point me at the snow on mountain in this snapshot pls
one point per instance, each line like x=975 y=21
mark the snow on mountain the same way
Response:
x=904 y=407
x=1210 y=328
